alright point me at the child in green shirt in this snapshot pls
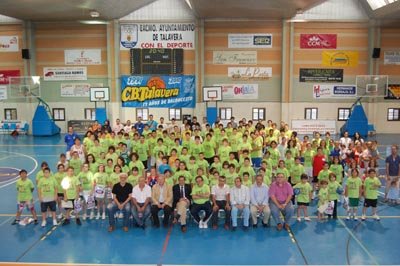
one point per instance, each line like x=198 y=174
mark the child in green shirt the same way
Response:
x=25 y=188
x=323 y=196
x=71 y=186
x=333 y=187
x=303 y=197
x=47 y=192
x=353 y=192
x=370 y=188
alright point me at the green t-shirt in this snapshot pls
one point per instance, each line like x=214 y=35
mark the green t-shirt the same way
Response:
x=283 y=171
x=24 y=190
x=295 y=173
x=203 y=164
x=308 y=158
x=186 y=174
x=100 y=178
x=305 y=190
x=275 y=155
x=230 y=178
x=113 y=156
x=234 y=162
x=137 y=164
x=323 y=196
x=195 y=149
x=76 y=164
x=248 y=183
x=244 y=146
x=184 y=158
x=158 y=149
x=73 y=187
x=198 y=190
x=337 y=169
x=217 y=166
x=212 y=180
x=133 y=180
x=256 y=148
x=224 y=153
x=289 y=163
x=324 y=175
x=142 y=149
x=247 y=169
x=332 y=187
x=59 y=177
x=47 y=187
x=39 y=176
x=371 y=186
x=192 y=168
x=113 y=179
x=86 y=180
x=353 y=187
x=93 y=167
x=234 y=142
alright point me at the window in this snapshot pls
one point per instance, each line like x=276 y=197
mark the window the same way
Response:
x=90 y=113
x=393 y=114
x=258 y=114
x=225 y=113
x=143 y=113
x=343 y=114
x=59 y=114
x=375 y=4
x=175 y=113
x=10 y=114
x=311 y=113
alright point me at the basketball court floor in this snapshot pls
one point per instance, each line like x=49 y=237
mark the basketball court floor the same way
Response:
x=332 y=242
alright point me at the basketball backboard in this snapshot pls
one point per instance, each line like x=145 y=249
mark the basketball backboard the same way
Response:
x=372 y=85
x=212 y=93
x=24 y=87
x=99 y=94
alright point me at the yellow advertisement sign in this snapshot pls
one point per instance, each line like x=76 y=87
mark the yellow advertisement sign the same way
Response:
x=340 y=58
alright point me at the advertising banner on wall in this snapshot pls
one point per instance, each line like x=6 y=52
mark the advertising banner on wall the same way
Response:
x=6 y=74
x=311 y=126
x=235 y=57
x=393 y=92
x=158 y=35
x=239 y=91
x=3 y=93
x=64 y=73
x=253 y=40
x=178 y=91
x=77 y=89
x=9 y=44
x=250 y=73
x=324 y=91
x=82 y=57
x=318 y=41
x=321 y=75
x=340 y=58
x=391 y=58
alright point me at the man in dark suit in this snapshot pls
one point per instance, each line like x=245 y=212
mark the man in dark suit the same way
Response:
x=182 y=199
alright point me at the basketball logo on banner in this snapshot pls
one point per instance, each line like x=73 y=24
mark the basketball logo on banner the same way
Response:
x=129 y=35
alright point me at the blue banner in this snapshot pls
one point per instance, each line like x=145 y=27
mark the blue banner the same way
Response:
x=178 y=91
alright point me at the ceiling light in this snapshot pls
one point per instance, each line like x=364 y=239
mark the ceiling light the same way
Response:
x=94 y=14
x=94 y=22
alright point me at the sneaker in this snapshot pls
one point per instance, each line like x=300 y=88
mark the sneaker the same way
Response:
x=78 y=221
x=35 y=221
x=279 y=227
x=355 y=218
x=348 y=218
x=44 y=223
x=201 y=224
x=98 y=216
x=91 y=215
x=205 y=225
x=66 y=222
x=376 y=217
x=299 y=219
x=307 y=219
x=55 y=222
x=363 y=218
x=84 y=216
x=103 y=216
x=15 y=222
x=60 y=216
x=111 y=228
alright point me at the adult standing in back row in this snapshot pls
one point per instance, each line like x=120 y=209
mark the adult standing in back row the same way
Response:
x=392 y=169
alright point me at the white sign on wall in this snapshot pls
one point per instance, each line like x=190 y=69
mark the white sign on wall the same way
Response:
x=392 y=58
x=82 y=57
x=64 y=73
x=239 y=91
x=254 y=40
x=311 y=126
x=9 y=44
x=234 y=57
x=158 y=35
x=77 y=89
x=3 y=93
x=321 y=91
x=250 y=73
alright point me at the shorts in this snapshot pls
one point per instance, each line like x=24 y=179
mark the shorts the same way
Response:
x=256 y=162
x=370 y=203
x=303 y=204
x=308 y=171
x=29 y=205
x=315 y=179
x=353 y=202
x=48 y=205
x=73 y=204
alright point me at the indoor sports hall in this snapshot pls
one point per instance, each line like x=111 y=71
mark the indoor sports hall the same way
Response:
x=199 y=132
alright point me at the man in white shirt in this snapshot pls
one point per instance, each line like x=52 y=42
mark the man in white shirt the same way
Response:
x=240 y=201
x=118 y=126
x=345 y=140
x=220 y=200
x=141 y=200
x=164 y=125
x=259 y=201
x=128 y=126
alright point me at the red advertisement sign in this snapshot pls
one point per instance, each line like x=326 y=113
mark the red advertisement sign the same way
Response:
x=318 y=41
x=5 y=74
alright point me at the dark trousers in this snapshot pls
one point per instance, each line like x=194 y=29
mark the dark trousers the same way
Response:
x=334 y=214
x=210 y=160
x=145 y=164
x=196 y=208
x=167 y=215
x=221 y=205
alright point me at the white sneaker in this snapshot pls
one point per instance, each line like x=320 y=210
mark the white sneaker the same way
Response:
x=55 y=222
x=376 y=217
x=205 y=225
x=84 y=216
x=307 y=219
x=201 y=224
x=363 y=218
x=355 y=218
x=60 y=216
x=299 y=219
x=98 y=215
x=44 y=223
x=348 y=218
x=91 y=215
x=121 y=215
x=103 y=216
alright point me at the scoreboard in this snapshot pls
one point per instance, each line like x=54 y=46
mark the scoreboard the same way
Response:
x=156 y=61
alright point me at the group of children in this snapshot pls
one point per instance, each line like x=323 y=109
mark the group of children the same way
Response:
x=315 y=168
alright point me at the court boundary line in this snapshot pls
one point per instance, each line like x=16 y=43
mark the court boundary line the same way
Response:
x=294 y=240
